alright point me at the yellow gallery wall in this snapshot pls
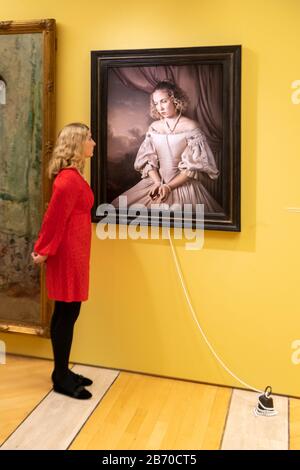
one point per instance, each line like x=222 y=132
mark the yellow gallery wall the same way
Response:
x=244 y=286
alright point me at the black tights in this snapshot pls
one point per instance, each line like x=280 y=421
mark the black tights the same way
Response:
x=62 y=325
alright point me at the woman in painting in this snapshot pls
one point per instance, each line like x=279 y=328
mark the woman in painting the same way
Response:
x=64 y=244
x=172 y=156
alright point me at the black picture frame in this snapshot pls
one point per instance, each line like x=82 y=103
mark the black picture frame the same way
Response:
x=223 y=62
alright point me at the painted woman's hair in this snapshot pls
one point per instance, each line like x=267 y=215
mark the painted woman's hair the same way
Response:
x=177 y=95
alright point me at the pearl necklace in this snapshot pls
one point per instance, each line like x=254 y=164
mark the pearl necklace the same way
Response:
x=170 y=130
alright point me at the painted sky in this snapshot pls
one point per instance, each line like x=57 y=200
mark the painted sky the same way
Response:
x=128 y=118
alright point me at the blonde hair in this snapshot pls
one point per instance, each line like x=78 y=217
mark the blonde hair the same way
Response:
x=176 y=94
x=68 y=150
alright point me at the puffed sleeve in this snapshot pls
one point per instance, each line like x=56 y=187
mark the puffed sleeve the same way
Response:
x=146 y=158
x=63 y=201
x=198 y=156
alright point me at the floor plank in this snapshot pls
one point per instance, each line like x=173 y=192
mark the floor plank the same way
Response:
x=24 y=382
x=294 y=424
x=245 y=431
x=144 y=412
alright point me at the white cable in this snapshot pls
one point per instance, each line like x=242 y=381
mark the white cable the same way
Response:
x=196 y=320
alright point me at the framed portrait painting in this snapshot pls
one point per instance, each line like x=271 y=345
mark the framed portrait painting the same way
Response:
x=167 y=126
x=27 y=127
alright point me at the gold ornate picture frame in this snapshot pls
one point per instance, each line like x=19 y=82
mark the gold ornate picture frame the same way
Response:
x=27 y=130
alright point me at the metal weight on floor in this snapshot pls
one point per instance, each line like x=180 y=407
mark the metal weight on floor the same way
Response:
x=265 y=405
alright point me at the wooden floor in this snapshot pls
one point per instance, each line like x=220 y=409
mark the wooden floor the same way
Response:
x=136 y=412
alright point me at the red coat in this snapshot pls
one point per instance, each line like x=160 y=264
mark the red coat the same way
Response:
x=65 y=236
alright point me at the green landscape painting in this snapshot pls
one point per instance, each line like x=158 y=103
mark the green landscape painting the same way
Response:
x=21 y=71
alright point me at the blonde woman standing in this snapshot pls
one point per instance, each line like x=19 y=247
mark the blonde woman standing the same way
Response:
x=64 y=244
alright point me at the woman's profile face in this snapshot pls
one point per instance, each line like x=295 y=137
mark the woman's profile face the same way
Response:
x=88 y=146
x=164 y=104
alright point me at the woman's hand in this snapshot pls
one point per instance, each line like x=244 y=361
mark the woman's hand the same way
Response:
x=38 y=259
x=164 y=192
x=154 y=191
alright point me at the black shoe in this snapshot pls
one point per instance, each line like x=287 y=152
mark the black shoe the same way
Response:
x=78 y=391
x=68 y=386
x=80 y=379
